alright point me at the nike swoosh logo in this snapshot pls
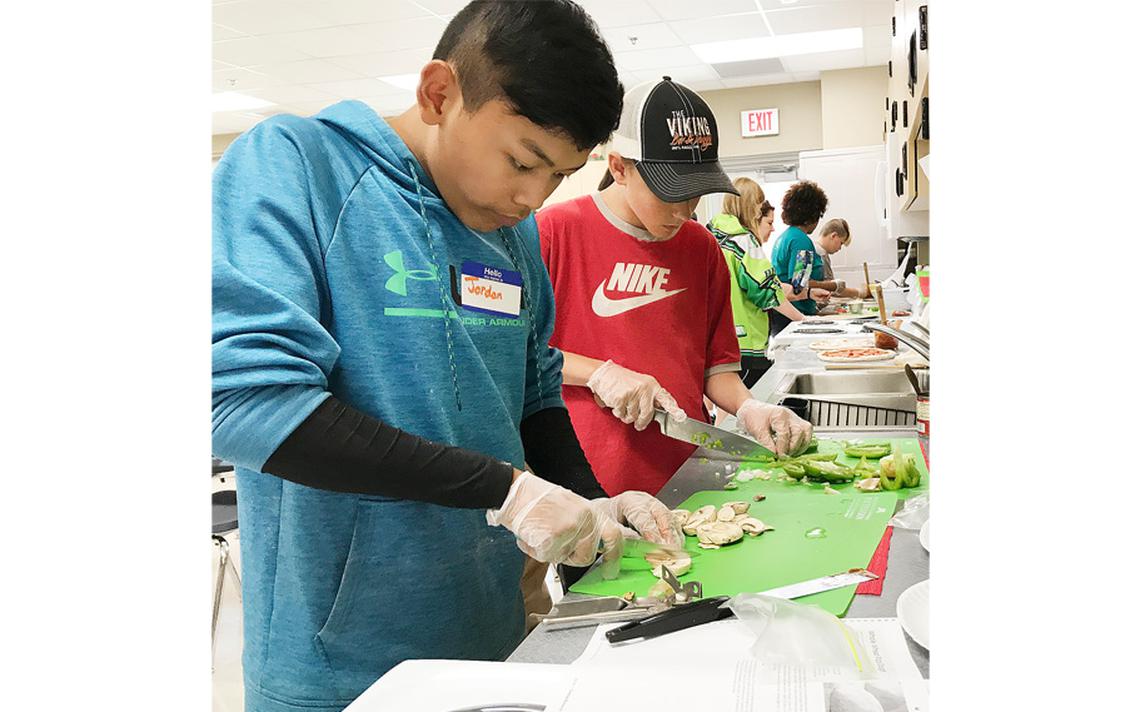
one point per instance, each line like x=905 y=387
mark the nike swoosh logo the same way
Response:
x=604 y=306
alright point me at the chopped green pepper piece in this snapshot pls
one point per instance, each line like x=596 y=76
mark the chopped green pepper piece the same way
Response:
x=794 y=469
x=828 y=471
x=871 y=450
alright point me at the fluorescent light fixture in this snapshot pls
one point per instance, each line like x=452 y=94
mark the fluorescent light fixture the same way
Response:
x=234 y=101
x=779 y=46
x=407 y=82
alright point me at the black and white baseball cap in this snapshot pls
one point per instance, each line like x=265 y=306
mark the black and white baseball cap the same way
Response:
x=671 y=132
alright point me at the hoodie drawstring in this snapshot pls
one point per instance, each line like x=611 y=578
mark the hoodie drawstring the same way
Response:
x=443 y=299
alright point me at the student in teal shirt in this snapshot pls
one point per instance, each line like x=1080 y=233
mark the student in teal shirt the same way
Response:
x=803 y=206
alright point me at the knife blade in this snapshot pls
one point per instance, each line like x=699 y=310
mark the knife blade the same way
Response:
x=694 y=432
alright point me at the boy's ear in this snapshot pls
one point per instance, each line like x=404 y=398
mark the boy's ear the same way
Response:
x=437 y=92
x=618 y=168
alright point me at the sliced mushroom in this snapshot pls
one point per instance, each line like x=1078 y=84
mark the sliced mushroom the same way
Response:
x=719 y=533
x=871 y=484
x=678 y=566
x=708 y=546
x=725 y=514
x=740 y=518
x=755 y=527
x=731 y=486
x=701 y=516
x=738 y=507
x=746 y=476
x=759 y=497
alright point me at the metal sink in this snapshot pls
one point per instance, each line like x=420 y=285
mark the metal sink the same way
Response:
x=850 y=382
x=851 y=399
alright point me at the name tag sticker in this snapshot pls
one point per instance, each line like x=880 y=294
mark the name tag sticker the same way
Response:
x=490 y=290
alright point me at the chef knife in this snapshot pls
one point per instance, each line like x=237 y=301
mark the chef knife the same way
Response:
x=694 y=432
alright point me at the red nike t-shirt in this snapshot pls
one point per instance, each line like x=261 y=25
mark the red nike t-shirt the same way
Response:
x=660 y=308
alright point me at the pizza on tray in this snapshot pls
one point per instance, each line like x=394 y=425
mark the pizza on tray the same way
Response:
x=856 y=355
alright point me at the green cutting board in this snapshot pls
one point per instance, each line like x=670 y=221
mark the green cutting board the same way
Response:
x=907 y=445
x=853 y=521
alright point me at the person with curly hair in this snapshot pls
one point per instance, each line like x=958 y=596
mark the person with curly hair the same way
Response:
x=741 y=229
x=803 y=206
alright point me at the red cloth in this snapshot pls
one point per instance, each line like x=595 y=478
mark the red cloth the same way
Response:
x=659 y=308
x=878 y=566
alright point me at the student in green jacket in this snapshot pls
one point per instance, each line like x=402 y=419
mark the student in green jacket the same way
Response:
x=741 y=230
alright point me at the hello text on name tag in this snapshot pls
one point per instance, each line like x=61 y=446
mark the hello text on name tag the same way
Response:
x=490 y=290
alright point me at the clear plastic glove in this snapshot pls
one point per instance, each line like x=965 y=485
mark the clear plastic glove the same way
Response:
x=552 y=524
x=631 y=395
x=643 y=513
x=776 y=428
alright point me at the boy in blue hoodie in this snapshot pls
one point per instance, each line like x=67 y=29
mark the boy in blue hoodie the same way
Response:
x=380 y=362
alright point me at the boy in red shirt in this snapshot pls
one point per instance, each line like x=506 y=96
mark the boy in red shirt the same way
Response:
x=642 y=303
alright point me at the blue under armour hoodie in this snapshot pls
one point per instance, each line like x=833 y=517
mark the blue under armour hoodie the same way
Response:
x=333 y=264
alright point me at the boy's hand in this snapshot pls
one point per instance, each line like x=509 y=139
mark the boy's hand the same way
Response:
x=631 y=395
x=776 y=428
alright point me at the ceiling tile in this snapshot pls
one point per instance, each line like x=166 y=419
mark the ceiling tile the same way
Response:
x=749 y=68
x=262 y=17
x=608 y=13
x=659 y=59
x=711 y=29
x=240 y=79
x=291 y=93
x=218 y=66
x=357 y=88
x=784 y=4
x=687 y=75
x=685 y=9
x=329 y=41
x=221 y=32
x=705 y=85
x=384 y=64
x=356 y=12
x=309 y=71
x=815 y=18
x=741 y=82
x=402 y=34
x=250 y=51
x=232 y=122
x=824 y=61
x=308 y=108
x=652 y=36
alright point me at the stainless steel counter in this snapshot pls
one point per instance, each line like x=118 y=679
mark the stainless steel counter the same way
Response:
x=907 y=564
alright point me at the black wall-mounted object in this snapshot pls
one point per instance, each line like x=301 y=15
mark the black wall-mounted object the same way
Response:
x=888 y=103
x=893 y=27
x=894 y=114
x=924 y=129
x=906 y=174
x=899 y=187
x=906 y=113
x=922 y=27
x=912 y=63
x=890 y=68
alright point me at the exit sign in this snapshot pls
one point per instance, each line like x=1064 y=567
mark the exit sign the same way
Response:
x=759 y=122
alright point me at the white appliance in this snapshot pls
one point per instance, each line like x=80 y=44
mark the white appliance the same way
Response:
x=855 y=187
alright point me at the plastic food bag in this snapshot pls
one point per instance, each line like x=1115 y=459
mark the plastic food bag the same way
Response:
x=913 y=514
x=801 y=636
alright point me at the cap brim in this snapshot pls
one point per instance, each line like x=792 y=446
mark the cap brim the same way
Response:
x=678 y=182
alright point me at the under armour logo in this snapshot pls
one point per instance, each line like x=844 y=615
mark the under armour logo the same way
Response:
x=398 y=283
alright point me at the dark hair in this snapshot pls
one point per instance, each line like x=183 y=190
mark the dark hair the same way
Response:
x=544 y=58
x=765 y=208
x=804 y=204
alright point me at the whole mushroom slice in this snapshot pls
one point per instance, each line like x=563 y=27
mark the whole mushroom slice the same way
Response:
x=725 y=514
x=679 y=565
x=719 y=533
x=755 y=527
x=738 y=507
x=870 y=484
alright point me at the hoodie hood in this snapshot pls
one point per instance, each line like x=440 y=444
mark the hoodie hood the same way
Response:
x=727 y=224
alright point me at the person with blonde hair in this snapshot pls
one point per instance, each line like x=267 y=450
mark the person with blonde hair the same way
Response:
x=741 y=230
x=835 y=235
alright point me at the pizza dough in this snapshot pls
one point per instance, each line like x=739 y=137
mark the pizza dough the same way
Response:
x=854 y=342
x=856 y=355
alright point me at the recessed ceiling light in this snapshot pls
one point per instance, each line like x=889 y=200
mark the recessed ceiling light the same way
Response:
x=780 y=46
x=408 y=82
x=235 y=101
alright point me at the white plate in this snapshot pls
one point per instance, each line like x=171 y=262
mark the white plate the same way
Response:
x=924 y=536
x=914 y=612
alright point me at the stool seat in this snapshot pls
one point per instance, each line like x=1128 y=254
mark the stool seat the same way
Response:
x=225 y=511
